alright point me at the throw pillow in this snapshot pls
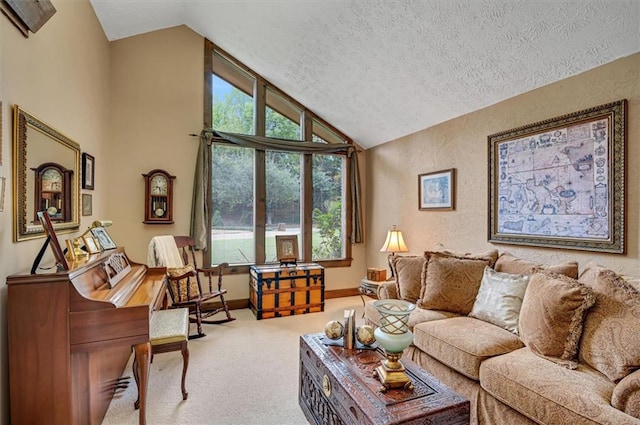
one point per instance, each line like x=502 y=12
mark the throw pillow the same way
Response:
x=610 y=338
x=179 y=287
x=451 y=283
x=491 y=255
x=500 y=298
x=552 y=316
x=508 y=263
x=408 y=272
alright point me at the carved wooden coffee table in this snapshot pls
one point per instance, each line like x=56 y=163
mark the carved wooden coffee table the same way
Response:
x=337 y=386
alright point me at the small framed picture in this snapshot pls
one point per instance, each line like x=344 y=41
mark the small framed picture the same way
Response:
x=58 y=253
x=103 y=238
x=2 y=189
x=88 y=171
x=287 y=248
x=436 y=190
x=87 y=204
x=90 y=244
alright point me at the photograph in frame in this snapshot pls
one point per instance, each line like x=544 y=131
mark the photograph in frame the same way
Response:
x=560 y=182
x=54 y=243
x=87 y=204
x=103 y=238
x=90 y=244
x=436 y=191
x=287 y=248
x=88 y=171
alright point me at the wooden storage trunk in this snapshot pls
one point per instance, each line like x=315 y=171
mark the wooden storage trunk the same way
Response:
x=276 y=291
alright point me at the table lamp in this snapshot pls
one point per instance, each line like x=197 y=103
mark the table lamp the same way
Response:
x=394 y=243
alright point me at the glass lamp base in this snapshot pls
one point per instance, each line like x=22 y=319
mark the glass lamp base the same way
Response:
x=395 y=377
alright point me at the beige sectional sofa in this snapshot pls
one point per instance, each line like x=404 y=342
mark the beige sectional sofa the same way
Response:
x=524 y=342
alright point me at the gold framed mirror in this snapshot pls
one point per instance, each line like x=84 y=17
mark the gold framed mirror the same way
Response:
x=46 y=177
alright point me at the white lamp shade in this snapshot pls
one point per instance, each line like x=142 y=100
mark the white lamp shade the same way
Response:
x=394 y=242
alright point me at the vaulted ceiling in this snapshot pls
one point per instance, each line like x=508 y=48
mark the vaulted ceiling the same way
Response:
x=381 y=69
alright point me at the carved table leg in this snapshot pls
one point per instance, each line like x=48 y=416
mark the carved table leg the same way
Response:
x=141 y=363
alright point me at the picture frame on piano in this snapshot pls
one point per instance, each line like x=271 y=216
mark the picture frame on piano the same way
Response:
x=103 y=238
x=90 y=244
x=52 y=240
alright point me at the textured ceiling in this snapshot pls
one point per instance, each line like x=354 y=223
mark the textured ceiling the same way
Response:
x=380 y=69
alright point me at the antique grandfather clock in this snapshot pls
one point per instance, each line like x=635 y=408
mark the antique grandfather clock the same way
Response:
x=158 y=201
x=53 y=191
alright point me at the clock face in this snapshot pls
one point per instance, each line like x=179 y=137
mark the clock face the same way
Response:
x=158 y=185
x=52 y=180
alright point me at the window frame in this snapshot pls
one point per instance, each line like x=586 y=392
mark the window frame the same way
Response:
x=308 y=120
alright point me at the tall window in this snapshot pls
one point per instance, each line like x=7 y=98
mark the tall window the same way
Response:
x=304 y=194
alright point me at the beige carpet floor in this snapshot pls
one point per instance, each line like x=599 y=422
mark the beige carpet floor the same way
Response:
x=243 y=372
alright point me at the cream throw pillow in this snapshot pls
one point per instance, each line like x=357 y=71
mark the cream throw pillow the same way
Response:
x=500 y=298
x=552 y=316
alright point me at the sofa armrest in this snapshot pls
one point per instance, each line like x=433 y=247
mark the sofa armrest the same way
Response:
x=626 y=395
x=388 y=290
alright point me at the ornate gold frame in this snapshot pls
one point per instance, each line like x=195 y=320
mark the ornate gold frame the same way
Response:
x=594 y=143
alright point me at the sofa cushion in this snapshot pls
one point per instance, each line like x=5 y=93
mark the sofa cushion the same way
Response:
x=626 y=395
x=418 y=315
x=552 y=316
x=451 y=283
x=500 y=298
x=408 y=272
x=462 y=343
x=508 y=263
x=610 y=340
x=550 y=394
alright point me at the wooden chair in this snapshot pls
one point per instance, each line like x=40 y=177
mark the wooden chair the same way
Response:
x=186 y=287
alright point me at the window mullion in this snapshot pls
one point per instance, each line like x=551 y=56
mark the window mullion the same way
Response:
x=260 y=186
x=306 y=197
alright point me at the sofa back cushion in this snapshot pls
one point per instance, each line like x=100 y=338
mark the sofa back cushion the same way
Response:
x=552 y=316
x=408 y=272
x=500 y=298
x=610 y=342
x=508 y=263
x=491 y=255
x=451 y=283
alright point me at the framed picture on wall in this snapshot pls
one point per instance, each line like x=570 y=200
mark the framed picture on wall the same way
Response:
x=87 y=204
x=88 y=171
x=436 y=190
x=560 y=182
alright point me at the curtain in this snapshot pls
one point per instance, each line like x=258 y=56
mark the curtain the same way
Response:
x=199 y=204
x=200 y=211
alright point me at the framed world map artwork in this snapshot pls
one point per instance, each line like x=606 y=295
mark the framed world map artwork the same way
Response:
x=561 y=182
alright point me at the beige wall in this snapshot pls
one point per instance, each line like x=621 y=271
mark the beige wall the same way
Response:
x=61 y=78
x=462 y=144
